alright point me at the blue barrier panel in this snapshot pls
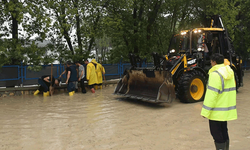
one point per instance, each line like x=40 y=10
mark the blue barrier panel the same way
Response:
x=30 y=77
x=10 y=76
x=7 y=75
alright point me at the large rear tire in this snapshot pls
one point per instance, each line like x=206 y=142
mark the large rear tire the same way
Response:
x=191 y=87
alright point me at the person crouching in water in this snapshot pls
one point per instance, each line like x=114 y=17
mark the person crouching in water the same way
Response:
x=100 y=71
x=45 y=82
x=91 y=75
x=81 y=76
x=71 y=74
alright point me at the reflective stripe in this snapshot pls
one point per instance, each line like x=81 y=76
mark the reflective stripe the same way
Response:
x=230 y=89
x=218 y=91
x=219 y=108
x=214 y=89
x=222 y=80
x=222 y=86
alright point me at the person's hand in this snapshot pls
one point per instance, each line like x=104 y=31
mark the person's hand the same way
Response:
x=67 y=82
x=60 y=76
x=79 y=79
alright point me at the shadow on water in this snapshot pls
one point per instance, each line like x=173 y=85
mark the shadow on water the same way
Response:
x=144 y=103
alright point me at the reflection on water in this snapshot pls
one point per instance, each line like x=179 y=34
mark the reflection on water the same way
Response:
x=89 y=121
x=62 y=122
x=103 y=121
x=58 y=122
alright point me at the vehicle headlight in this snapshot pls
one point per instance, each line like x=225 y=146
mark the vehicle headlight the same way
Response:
x=172 y=51
x=183 y=33
x=199 y=49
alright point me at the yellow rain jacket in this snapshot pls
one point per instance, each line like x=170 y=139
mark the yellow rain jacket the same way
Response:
x=220 y=98
x=99 y=71
x=91 y=74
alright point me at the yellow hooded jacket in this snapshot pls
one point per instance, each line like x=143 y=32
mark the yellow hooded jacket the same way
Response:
x=91 y=74
x=220 y=98
x=99 y=71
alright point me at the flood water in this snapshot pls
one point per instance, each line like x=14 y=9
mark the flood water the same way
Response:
x=99 y=121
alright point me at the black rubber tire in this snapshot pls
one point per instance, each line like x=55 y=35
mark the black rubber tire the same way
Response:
x=183 y=90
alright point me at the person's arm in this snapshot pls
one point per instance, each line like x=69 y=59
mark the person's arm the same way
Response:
x=211 y=95
x=84 y=73
x=46 y=79
x=68 y=76
x=103 y=70
x=62 y=73
x=77 y=72
x=80 y=76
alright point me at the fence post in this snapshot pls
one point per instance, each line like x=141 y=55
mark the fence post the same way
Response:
x=121 y=68
x=144 y=62
x=61 y=68
x=21 y=67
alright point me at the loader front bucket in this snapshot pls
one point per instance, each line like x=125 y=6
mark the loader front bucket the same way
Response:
x=148 y=85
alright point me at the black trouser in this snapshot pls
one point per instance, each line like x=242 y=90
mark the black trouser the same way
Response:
x=92 y=86
x=218 y=130
x=71 y=86
x=82 y=85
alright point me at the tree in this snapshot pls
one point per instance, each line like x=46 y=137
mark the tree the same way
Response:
x=23 y=20
x=242 y=32
x=11 y=16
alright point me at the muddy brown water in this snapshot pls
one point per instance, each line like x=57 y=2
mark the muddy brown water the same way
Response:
x=103 y=121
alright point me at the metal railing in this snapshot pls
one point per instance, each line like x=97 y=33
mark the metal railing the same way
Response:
x=20 y=75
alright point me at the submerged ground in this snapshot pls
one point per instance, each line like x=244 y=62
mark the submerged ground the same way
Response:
x=103 y=121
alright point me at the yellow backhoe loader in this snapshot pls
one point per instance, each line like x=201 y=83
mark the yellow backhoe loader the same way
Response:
x=183 y=71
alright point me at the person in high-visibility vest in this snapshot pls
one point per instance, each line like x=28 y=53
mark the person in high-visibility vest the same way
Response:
x=220 y=101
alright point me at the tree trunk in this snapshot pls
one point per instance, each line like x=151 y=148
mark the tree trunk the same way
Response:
x=136 y=50
x=92 y=40
x=65 y=30
x=152 y=15
x=14 y=30
x=78 y=30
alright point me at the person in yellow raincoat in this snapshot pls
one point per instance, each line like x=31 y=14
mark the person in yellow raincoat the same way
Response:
x=100 y=71
x=91 y=74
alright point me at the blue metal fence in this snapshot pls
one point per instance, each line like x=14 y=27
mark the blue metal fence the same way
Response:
x=21 y=75
x=9 y=79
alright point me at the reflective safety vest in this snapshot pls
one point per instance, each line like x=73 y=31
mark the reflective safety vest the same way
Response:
x=220 y=98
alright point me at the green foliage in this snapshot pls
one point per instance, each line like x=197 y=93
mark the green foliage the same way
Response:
x=242 y=32
x=109 y=29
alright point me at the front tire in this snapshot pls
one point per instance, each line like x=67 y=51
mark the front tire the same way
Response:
x=191 y=87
